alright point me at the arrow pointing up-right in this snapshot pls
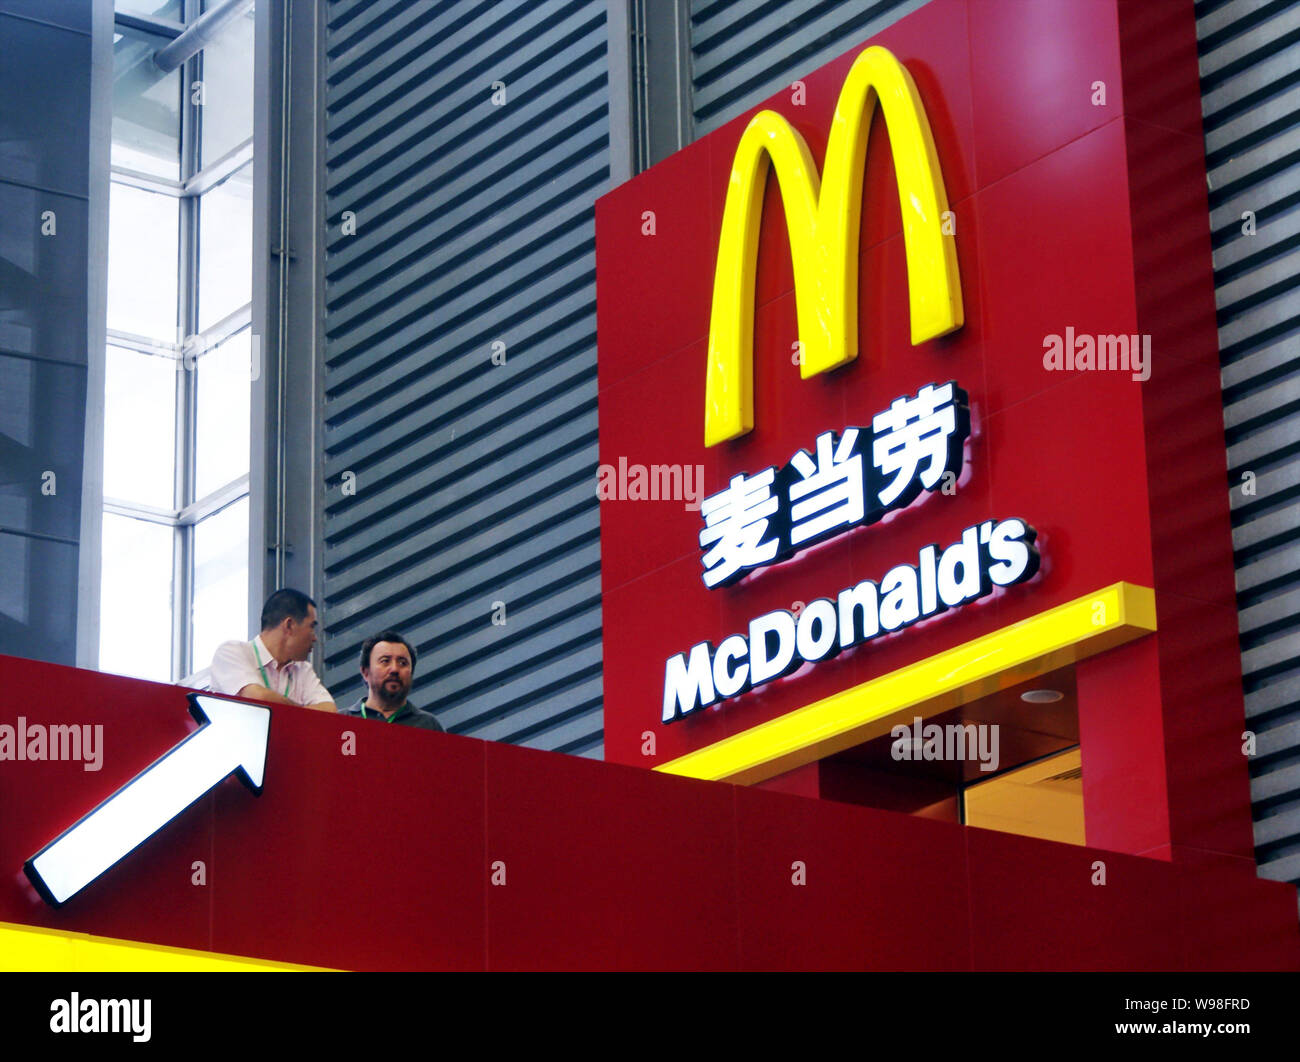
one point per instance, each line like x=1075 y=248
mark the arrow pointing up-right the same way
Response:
x=243 y=728
x=232 y=739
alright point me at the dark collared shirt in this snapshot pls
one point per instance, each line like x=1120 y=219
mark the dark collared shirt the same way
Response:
x=407 y=715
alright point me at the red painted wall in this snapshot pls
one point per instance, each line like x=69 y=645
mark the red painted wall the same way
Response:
x=383 y=860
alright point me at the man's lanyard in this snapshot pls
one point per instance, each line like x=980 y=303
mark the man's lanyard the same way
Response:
x=386 y=719
x=288 y=679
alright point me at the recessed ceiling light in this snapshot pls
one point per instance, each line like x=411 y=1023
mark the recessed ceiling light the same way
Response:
x=1042 y=696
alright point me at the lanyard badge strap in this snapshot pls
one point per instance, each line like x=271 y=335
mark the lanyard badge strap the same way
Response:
x=288 y=679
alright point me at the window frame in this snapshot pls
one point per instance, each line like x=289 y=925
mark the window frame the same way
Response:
x=188 y=511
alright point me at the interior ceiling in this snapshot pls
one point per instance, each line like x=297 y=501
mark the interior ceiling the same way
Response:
x=1026 y=732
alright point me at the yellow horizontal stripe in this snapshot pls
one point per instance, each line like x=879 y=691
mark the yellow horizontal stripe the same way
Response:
x=31 y=949
x=1074 y=631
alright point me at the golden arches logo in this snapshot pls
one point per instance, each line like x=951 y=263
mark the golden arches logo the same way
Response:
x=823 y=217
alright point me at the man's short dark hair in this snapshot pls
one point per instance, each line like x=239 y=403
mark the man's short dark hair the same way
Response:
x=384 y=636
x=285 y=604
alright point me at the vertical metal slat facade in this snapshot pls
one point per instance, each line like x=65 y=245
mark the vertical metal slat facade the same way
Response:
x=1250 y=91
x=469 y=142
x=743 y=52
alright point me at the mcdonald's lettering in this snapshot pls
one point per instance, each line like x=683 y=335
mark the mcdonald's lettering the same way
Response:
x=993 y=553
x=823 y=216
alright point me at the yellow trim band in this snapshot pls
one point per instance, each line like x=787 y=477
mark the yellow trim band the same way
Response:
x=1074 y=631
x=33 y=949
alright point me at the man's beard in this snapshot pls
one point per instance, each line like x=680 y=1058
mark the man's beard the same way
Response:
x=392 y=694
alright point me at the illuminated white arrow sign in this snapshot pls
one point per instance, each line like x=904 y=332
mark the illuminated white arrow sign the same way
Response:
x=232 y=739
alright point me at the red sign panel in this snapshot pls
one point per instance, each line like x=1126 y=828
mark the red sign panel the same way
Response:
x=1075 y=186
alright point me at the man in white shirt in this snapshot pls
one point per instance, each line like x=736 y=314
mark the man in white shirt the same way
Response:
x=273 y=666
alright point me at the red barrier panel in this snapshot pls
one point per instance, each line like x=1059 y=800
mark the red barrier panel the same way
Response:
x=380 y=851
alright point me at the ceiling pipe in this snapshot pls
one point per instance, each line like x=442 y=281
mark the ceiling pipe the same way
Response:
x=199 y=34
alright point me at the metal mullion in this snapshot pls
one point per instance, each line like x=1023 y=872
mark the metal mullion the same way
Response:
x=147 y=182
x=182 y=595
x=212 y=175
x=186 y=381
x=139 y=511
x=161 y=27
x=215 y=501
x=155 y=348
x=640 y=89
x=193 y=71
x=620 y=20
x=230 y=325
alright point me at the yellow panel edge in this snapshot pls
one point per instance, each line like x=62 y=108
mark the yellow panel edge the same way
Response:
x=31 y=949
x=1058 y=636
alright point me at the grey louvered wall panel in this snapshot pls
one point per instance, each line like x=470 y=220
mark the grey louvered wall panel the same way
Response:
x=742 y=50
x=474 y=481
x=1250 y=84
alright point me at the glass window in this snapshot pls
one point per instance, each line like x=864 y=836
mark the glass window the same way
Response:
x=140 y=428
x=220 y=580
x=146 y=106
x=143 y=230
x=226 y=248
x=135 y=608
x=156 y=416
x=221 y=444
x=227 y=111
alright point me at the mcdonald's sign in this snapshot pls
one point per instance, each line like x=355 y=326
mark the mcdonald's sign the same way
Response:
x=924 y=514
x=823 y=216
